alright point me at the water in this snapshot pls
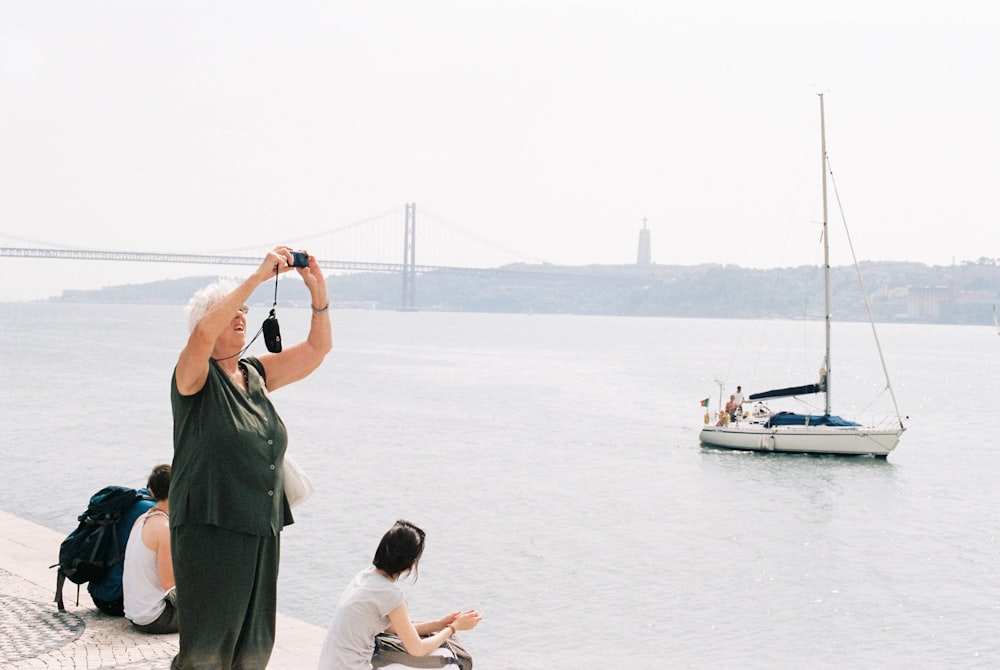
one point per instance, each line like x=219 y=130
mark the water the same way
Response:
x=554 y=462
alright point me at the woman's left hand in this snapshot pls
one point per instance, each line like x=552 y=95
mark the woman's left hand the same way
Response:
x=299 y=360
x=312 y=275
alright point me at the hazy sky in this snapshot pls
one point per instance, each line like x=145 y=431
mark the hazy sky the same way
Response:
x=550 y=127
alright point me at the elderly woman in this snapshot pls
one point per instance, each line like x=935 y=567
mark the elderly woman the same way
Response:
x=227 y=495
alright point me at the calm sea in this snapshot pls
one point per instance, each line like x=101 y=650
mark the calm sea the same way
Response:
x=554 y=462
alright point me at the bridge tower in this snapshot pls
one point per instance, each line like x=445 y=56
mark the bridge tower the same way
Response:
x=409 y=302
x=645 y=258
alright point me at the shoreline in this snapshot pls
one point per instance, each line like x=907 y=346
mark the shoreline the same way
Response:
x=34 y=634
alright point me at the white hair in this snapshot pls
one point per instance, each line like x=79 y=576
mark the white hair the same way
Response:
x=206 y=298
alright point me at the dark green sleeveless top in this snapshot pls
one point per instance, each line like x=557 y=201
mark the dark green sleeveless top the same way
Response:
x=229 y=446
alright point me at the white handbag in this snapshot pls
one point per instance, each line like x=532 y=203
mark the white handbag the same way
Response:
x=298 y=485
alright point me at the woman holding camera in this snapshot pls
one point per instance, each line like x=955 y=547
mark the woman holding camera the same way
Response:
x=227 y=490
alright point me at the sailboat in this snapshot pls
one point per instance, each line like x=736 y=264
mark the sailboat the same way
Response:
x=757 y=428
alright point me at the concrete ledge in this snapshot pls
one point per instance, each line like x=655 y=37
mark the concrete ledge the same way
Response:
x=34 y=634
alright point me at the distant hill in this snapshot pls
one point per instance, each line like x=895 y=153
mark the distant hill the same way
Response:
x=898 y=291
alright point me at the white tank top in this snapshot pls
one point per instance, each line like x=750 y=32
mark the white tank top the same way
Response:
x=140 y=579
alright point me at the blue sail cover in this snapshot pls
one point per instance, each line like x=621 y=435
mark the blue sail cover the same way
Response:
x=793 y=419
x=786 y=392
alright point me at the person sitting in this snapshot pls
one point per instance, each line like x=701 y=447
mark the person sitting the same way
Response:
x=148 y=577
x=373 y=603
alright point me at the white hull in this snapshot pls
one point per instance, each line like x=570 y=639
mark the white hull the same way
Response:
x=843 y=440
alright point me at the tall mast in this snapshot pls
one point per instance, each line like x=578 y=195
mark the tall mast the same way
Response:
x=826 y=254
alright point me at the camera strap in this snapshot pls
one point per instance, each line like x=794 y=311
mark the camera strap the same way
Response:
x=272 y=333
x=275 y=304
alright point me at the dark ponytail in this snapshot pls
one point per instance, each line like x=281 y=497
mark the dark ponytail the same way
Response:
x=400 y=549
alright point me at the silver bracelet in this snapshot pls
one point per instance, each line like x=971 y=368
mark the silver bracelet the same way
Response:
x=321 y=311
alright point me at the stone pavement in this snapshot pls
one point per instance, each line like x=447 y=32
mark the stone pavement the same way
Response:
x=35 y=635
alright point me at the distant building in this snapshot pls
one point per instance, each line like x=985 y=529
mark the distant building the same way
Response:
x=645 y=257
x=947 y=304
x=925 y=302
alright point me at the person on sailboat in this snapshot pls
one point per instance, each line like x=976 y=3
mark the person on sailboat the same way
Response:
x=731 y=409
x=738 y=397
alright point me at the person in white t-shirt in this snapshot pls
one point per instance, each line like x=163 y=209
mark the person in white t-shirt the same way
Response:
x=148 y=575
x=374 y=603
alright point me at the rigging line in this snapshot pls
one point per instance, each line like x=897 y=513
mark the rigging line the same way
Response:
x=812 y=407
x=864 y=292
x=768 y=320
x=769 y=316
x=790 y=222
x=479 y=238
x=873 y=400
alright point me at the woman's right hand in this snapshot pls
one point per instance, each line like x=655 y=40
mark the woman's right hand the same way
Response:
x=278 y=260
x=467 y=620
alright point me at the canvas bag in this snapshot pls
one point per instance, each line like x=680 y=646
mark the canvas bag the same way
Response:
x=298 y=485
x=390 y=649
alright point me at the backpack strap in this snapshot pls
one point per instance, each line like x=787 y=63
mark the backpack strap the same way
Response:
x=60 y=582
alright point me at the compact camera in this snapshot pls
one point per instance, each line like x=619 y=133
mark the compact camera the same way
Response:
x=300 y=259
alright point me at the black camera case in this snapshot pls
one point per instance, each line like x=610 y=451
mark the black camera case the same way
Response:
x=272 y=334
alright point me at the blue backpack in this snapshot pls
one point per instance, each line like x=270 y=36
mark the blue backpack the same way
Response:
x=98 y=543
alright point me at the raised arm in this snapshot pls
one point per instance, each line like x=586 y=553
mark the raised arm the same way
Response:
x=299 y=360
x=192 y=365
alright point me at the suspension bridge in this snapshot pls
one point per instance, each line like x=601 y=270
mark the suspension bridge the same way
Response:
x=368 y=245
